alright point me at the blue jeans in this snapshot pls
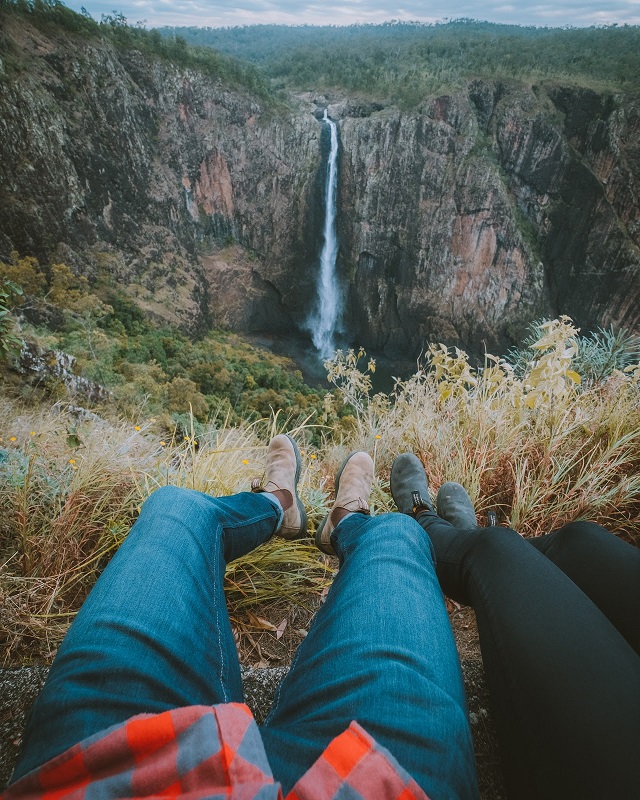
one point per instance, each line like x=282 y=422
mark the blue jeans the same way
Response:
x=154 y=634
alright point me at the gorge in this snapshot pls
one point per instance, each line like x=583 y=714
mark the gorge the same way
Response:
x=459 y=220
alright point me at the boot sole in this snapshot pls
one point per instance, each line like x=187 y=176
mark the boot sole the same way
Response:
x=324 y=548
x=302 y=531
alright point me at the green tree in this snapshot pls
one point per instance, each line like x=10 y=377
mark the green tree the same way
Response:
x=25 y=272
x=10 y=342
x=182 y=394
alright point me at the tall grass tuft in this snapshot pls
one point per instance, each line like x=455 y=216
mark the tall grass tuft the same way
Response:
x=70 y=491
x=538 y=445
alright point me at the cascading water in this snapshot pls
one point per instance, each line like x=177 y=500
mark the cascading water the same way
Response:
x=324 y=322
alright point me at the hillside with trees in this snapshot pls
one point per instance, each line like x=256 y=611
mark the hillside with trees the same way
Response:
x=407 y=61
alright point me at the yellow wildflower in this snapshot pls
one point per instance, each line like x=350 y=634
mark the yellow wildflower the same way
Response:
x=12 y=439
x=72 y=461
x=33 y=433
x=137 y=427
x=163 y=444
x=245 y=461
x=313 y=455
x=378 y=436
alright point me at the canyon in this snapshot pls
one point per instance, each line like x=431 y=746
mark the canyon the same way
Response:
x=460 y=220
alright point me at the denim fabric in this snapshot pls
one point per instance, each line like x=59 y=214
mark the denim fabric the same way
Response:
x=380 y=651
x=154 y=634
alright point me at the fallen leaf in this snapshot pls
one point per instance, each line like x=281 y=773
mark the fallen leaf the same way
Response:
x=260 y=622
x=280 y=629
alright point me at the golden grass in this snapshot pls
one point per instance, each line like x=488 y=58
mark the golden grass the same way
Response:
x=539 y=450
x=70 y=491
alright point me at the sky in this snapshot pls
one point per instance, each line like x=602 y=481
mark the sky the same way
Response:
x=221 y=13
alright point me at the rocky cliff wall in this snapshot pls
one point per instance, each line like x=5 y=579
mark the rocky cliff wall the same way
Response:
x=459 y=221
x=486 y=209
x=114 y=161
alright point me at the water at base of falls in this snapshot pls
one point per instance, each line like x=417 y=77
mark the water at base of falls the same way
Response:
x=324 y=322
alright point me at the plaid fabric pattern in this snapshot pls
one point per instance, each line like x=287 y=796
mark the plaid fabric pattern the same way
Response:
x=209 y=752
x=355 y=767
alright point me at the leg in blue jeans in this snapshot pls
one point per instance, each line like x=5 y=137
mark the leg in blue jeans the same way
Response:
x=154 y=633
x=380 y=651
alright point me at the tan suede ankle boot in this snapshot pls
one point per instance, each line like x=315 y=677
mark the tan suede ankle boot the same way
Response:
x=281 y=475
x=353 y=489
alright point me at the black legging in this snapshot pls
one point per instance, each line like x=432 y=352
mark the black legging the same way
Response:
x=559 y=625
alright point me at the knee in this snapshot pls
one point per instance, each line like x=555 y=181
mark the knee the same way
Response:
x=578 y=535
x=496 y=542
x=399 y=535
x=167 y=497
x=180 y=504
x=173 y=514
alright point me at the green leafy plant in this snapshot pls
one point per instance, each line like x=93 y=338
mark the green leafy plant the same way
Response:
x=10 y=341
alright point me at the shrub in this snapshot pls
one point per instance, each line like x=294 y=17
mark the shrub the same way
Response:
x=183 y=396
x=10 y=342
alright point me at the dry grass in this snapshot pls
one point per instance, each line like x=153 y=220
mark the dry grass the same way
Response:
x=538 y=449
x=70 y=491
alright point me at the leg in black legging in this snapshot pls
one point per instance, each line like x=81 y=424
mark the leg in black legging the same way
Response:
x=604 y=567
x=565 y=684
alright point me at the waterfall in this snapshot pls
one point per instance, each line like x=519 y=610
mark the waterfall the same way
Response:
x=324 y=322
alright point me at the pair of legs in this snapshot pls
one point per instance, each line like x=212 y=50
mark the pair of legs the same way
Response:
x=154 y=634
x=559 y=625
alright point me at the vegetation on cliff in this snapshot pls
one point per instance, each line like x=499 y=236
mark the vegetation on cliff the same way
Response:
x=408 y=61
x=149 y=369
x=397 y=61
x=113 y=28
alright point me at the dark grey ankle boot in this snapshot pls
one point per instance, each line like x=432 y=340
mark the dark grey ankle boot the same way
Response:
x=409 y=486
x=454 y=505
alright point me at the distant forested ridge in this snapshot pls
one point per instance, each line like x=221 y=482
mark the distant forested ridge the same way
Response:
x=409 y=60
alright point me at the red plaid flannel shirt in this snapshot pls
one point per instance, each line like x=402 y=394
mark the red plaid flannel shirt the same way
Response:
x=210 y=752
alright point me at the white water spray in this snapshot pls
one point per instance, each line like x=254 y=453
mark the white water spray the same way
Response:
x=324 y=322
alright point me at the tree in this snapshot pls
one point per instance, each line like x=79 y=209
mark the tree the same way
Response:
x=10 y=342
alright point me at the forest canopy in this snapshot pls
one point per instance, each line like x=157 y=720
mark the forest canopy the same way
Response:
x=409 y=60
x=395 y=61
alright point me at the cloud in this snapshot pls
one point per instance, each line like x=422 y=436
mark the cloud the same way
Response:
x=249 y=12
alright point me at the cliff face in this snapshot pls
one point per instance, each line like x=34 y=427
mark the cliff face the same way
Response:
x=487 y=209
x=112 y=161
x=460 y=221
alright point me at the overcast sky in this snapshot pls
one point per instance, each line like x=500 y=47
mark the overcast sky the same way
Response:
x=217 y=13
